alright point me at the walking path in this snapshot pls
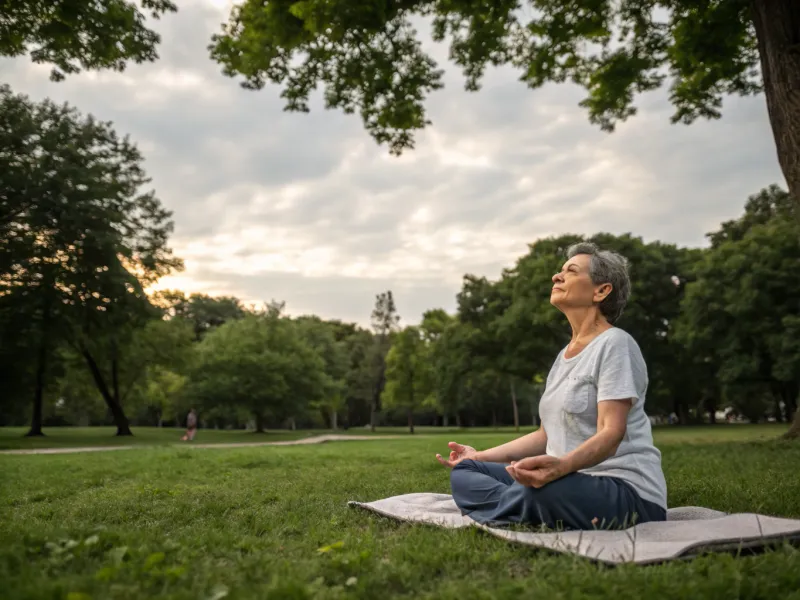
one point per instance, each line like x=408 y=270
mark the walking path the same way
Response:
x=317 y=439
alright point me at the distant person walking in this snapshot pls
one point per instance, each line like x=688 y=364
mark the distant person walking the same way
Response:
x=191 y=426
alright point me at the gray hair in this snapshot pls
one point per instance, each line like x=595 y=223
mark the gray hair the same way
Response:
x=607 y=267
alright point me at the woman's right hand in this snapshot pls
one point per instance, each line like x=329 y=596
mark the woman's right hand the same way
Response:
x=458 y=452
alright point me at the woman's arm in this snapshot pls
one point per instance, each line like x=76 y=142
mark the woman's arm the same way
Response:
x=532 y=444
x=612 y=422
x=612 y=419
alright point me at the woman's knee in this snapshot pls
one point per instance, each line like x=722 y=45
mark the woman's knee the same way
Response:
x=462 y=471
x=466 y=465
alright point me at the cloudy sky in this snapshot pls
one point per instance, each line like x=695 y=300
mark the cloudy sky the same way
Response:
x=307 y=209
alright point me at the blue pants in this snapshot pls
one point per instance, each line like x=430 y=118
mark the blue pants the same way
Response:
x=488 y=494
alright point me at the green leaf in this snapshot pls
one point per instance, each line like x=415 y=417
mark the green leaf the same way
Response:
x=117 y=555
x=153 y=560
x=299 y=10
x=105 y=574
x=331 y=547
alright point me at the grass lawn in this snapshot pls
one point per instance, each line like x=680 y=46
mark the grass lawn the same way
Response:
x=74 y=437
x=168 y=522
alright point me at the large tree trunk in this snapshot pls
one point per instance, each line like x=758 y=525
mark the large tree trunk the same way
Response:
x=410 y=421
x=515 y=405
x=376 y=396
x=112 y=401
x=777 y=25
x=259 y=422
x=334 y=420
x=711 y=408
x=794 y=430
x=41 y=377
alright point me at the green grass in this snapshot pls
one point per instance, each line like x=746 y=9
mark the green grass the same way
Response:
x=170 y=522
x=74 y=437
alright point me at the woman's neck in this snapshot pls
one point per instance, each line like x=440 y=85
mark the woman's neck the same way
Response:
x=586 y=324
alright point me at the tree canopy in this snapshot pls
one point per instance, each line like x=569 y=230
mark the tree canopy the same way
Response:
x=75 y=35
x=80 y=237
x=261 y=364
x=367 y=56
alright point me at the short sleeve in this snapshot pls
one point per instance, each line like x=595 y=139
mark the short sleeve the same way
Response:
x=622 y=373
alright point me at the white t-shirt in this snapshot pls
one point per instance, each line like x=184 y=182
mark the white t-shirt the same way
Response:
x=611 y=367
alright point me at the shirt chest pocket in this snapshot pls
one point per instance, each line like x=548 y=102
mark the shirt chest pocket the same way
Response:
x=581 y=393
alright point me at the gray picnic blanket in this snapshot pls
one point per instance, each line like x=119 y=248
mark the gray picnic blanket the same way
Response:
x=688 y=531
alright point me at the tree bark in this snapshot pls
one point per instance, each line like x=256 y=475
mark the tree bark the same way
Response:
x=334 y=420
x=515 y=405
x=120 y=420
x=711 y=408
x=41 y=375
x=410 y=421
x=259 y=423
x=777 y=26
x=445 y=420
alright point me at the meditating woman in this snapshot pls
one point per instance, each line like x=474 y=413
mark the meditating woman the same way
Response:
x=592 y=463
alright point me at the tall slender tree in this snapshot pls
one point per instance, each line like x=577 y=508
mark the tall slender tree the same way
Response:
x=384 y=323
x=80 y=239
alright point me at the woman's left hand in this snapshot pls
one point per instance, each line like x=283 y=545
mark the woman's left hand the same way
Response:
x=537 y=471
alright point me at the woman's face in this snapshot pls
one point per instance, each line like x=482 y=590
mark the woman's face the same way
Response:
x=573 y=287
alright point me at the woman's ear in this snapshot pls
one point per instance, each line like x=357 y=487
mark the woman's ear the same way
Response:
x=601 y=292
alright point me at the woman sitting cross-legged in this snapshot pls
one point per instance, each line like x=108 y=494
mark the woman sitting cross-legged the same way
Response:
x=592 y=463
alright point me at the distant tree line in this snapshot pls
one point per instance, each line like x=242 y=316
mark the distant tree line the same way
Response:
x=81 y=342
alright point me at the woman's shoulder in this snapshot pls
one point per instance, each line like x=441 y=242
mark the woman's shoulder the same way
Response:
x=619 y=338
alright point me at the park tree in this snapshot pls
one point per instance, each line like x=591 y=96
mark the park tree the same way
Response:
x=80 y=237
x=451 y=362
x=360 y=378
x=75 y=35
x=384 y=324
x=321 y=336
x=19 y=360
x=741 y=314
x=408 y=377
x=367 y=56
x=261 y=364
x=204 y=312
x=77 y=399
x=516 y=333
x=164 y=393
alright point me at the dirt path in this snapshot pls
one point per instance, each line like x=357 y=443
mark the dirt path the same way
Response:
x=317 y=439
